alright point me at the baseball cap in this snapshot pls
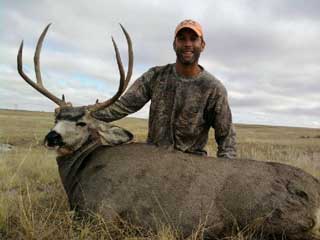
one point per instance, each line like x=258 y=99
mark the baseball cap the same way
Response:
x=189 y=23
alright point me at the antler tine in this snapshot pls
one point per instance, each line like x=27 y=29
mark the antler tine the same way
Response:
x=123 y=80
x=121 y=71
x=38 y=86
x=130 y=57
x=36 y=57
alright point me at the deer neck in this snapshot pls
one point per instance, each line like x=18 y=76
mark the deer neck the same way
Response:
x=70 y=165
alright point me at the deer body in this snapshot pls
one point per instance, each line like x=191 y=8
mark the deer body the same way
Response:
x=169 y=187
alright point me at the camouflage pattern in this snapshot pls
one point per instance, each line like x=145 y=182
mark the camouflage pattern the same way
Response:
x=182 y=110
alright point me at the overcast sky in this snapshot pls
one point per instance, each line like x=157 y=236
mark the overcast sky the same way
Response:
x=266 y=52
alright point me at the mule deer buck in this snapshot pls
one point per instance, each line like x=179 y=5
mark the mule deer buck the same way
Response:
x=149 y=185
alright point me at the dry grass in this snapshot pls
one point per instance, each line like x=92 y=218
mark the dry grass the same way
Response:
x=33 y=204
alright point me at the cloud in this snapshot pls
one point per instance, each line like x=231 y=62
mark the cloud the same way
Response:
x=265 y=52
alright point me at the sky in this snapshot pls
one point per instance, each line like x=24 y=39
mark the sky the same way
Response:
x=265 y=52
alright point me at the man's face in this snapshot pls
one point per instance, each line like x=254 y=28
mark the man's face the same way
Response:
x=188 y=46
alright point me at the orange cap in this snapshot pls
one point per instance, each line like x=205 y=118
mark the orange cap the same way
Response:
x=188 y=23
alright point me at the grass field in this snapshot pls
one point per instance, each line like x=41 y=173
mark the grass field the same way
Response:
x=33 y=204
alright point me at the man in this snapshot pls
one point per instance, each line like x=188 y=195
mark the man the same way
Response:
x=186 y=100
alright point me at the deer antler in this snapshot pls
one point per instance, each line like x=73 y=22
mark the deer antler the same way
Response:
x=61 y=102
x=39 y=85
x=123 y=80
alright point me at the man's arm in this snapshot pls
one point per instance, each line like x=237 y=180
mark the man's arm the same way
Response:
x=133 y=100
x=225 y=134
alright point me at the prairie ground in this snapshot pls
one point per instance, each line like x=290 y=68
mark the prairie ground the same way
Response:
x=33 y=204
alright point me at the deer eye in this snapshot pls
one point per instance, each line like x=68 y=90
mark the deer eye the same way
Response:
x=81 y=124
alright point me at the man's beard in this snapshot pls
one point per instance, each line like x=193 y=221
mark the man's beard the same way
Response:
x=194 y=59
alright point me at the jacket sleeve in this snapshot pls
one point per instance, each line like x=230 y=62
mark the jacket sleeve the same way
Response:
x=225 y=134
x=133 y=100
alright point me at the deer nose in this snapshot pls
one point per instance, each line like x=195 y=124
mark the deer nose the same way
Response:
x=53 y=139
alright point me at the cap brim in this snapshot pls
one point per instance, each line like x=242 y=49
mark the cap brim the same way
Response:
x=192 y=28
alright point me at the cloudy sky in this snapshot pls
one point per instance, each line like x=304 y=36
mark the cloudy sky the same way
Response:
x=266 y=52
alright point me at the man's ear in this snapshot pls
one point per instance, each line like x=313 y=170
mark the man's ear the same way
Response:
x=203 y=45
x=174 y=44
x=114 y=135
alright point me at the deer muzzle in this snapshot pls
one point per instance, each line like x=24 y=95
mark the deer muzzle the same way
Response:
x=53 y=139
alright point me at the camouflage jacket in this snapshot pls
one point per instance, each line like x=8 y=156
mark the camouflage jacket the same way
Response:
x=182 y=110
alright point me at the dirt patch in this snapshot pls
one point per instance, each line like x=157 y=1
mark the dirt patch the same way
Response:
x=4 y=147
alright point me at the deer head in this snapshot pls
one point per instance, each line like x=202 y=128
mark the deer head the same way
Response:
x=74 y=126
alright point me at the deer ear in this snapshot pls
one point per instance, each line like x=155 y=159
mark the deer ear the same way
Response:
x=113 y=135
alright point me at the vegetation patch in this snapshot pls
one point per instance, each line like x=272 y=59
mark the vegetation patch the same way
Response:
x=316 y=136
